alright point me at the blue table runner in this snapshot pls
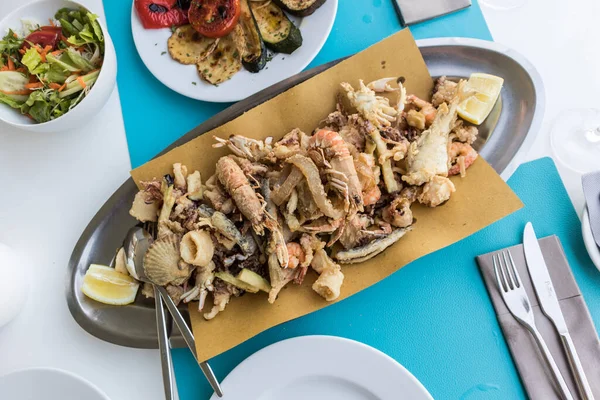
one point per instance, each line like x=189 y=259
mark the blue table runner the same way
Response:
x=433 y=316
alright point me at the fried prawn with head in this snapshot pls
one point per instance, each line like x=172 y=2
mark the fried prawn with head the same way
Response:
x=245 y=198
x=328 y=149
x=252 y=149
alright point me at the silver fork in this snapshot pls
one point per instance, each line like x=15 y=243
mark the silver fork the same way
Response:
x=163 y=335
x=516 y=299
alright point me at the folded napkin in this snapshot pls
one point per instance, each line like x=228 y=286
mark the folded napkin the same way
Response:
x=591 y=191
x=532 y=369
x=413 y=11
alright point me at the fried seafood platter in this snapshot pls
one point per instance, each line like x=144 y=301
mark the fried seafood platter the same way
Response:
x=315 y=195
x=340 y=194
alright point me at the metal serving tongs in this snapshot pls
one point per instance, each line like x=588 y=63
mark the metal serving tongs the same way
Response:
x=136 y=245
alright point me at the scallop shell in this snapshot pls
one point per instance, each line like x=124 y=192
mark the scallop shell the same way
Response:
x=162 y=263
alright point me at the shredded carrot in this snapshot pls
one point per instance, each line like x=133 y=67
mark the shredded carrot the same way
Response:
x=4 y=68
x=24 y=91
x=51 y=21
x=64 y=85
x=56 y=52
x=21 y=69
x=11 y=64
x=34 y=85
x=81 y=82
x=15 y=35
x=22 y=51
x=33 y=79
x=45 y=52
x=54 y=85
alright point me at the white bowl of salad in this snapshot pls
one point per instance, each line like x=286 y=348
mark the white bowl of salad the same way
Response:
x=57 y=66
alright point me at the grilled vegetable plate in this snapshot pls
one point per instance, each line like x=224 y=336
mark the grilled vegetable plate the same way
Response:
x=278 y=32
x=183 y=61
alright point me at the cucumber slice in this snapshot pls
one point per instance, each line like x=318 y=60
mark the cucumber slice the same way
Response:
x=75 y=86
x=227 y=277
x=253 y=279
x=13 y=81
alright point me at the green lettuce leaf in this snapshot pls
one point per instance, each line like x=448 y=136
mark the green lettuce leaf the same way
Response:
x=93 y=18
x=56 y=74
x=33 y=61
x=44 y=105
x=6 y=99
x=81 y=26
x=78 y=60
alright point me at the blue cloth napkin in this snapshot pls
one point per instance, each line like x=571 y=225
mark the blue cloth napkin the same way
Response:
x=434 y=316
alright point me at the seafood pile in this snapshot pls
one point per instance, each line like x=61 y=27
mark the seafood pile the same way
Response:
x=339 y=195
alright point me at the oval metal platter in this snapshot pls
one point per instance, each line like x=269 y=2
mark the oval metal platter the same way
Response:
x=504 y=138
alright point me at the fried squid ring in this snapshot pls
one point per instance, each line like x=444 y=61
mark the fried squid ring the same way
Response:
x=197 y=248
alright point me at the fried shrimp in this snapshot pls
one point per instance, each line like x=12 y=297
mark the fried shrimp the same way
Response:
x=327 y=148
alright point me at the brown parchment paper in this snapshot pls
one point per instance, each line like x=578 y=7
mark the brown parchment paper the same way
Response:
x=480 y=199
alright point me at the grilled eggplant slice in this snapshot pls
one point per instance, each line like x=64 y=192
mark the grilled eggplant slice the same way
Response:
x=254 y=52
x=276 y=29
x=300 y=8
x=224 y=62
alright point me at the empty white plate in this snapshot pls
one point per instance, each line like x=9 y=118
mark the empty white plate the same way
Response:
x=47 y=384
x=321 y=367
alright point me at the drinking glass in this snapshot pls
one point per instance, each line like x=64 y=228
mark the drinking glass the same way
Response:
x=575 y=139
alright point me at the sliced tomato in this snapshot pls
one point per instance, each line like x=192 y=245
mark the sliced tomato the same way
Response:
x=214 y=18
x=156 y=14
x=47 y=36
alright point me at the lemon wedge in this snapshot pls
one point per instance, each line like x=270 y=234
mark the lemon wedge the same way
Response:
x=486 y=88
x=108 y=286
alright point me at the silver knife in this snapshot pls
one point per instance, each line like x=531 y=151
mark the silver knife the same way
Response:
x=551 y=308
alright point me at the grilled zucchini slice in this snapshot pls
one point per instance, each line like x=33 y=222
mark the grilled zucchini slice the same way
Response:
x=300 y=8
x=254 y=52
x=188 y=46
x=276 y=29
x=224 y=62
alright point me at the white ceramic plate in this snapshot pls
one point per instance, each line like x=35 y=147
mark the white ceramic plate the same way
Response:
x=47 y=383
x=151 y=45
x=588 y=239
x=321 y=367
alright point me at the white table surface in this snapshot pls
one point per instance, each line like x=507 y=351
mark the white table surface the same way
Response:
x=53 y=184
